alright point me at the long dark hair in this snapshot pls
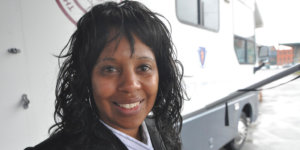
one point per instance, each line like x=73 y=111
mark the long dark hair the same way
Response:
x=75 y=108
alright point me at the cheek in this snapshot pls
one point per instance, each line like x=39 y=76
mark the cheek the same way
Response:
x=152 y=87
x=102 y=89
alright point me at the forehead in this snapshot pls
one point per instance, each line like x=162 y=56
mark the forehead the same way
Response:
x=121 y=48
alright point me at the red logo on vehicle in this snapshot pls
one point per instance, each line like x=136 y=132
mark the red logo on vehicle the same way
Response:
x=74 y=9
x=202 y=55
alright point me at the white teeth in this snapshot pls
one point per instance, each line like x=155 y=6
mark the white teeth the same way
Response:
x=129 y=106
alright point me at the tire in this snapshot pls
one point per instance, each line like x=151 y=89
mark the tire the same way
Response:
x=238 y=142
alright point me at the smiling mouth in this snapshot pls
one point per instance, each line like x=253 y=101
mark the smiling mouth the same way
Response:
x=128 y=106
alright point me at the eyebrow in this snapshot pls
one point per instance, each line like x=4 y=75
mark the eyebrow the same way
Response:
x=107 y=59
x=113 y=59
x=145 y=57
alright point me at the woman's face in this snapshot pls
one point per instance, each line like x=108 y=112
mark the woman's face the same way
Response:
x=125 y=85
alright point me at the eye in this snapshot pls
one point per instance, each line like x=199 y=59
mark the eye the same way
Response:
x=109 y=69
x=144 y=68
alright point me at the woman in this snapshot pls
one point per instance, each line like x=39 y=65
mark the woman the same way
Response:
x=120 y=84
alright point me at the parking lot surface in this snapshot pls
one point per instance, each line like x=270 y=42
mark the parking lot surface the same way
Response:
x=278 y=124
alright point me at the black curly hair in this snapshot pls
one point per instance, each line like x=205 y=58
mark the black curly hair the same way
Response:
x=75 y=107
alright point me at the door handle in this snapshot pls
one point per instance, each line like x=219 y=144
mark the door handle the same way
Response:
x=14 y=50
x=25 y=101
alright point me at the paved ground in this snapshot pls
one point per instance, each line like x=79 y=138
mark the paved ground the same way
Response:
x=278 y=124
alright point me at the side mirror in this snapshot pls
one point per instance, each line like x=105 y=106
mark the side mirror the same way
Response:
x=263 y=52
x=263 y=57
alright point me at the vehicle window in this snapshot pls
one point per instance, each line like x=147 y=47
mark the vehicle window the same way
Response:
x=250 y=52
x=239 y=46
x=201 y=13
x=245 y=50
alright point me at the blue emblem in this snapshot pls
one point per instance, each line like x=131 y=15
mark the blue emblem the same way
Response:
x=202 y=55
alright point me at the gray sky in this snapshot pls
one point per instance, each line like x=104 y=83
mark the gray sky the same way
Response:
x=281 y=22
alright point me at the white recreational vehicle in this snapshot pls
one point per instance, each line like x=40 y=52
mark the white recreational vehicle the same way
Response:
x=215 y=40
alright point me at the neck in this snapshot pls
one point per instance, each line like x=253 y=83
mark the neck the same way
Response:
x=135 y=133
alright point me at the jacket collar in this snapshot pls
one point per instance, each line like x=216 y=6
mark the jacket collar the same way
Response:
x=155 y=137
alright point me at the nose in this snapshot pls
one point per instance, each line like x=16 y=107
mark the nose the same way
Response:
x=129 y=81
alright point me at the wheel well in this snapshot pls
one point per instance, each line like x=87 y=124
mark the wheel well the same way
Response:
x=248 y=111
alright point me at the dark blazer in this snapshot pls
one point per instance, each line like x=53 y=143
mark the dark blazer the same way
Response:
x=101 y=138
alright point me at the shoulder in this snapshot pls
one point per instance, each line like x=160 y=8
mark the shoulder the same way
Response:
x=98 y=138
x=54 y=142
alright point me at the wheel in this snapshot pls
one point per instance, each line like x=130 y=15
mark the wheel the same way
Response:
x=239 y=140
